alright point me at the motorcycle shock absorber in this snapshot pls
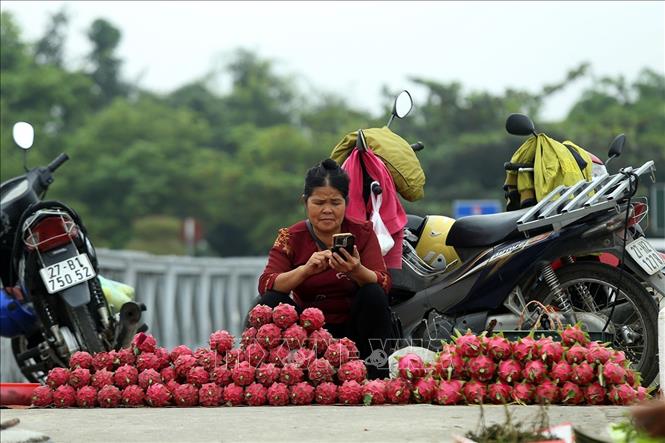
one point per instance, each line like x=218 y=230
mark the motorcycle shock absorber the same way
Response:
x=560 y=298
x=582 y=289
x=98 y=298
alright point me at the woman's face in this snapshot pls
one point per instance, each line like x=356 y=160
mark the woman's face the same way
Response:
x=325 y=209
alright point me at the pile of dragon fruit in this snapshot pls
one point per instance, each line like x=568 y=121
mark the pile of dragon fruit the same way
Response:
x=284 y=358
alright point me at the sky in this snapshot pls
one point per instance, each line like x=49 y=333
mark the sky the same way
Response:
x=353 y=49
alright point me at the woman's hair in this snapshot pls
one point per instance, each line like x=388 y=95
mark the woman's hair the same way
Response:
x=326 y=173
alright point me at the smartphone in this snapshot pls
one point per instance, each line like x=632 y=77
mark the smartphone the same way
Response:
x=344 y=240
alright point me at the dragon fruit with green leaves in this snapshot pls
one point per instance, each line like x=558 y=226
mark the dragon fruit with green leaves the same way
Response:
x=301 y=393
x=80 y=359
x=583 y=374
x=424 y=389
x=294 y=336
x=509 y=371
x=291 y=374
x=449 y=365
x=613 y=373
x=320 y=371
x=547 y=393
x=178 y=351
x=595 y=394
x=319 y=340
x=337 y=354
x=326 y=393
x=410 y=367
x=278 y=394
x=351 y=393
x=143 y=342
x=561 y=372
x=210 y=394
x=148 y=360
x=267 y=374
x=534 y=371
x=449 y=392
x=247 y=338
x=574 y=334
x=571 y=394
x=256 y=354
x=101 y=378
x=42 y=396
x=352 y=370
x=86 y=397
x=186 y=395
x=576 y=354
x=269 y=335
x=312 y=319
x=622 y=395
x=256 y=394
x=597 y=353
x=260 y=315
x=523 y=393
x=58 y=377
x=284 y=315
x=500 y=393
x=481 y=368
x=475 y=392
x=64 y=396
x=234 y=395
x=374 y=392
x=109 y=397
x=468 y=345
x=133 y=395
x=221 y=341
x=79 y=377
x=498 y=347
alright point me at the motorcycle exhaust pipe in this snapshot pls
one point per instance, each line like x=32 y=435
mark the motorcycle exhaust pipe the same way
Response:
x=130 y=317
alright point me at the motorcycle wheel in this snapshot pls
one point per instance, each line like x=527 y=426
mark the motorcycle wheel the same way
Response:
x=33 y=369
x=85 y=329
x=635 y=310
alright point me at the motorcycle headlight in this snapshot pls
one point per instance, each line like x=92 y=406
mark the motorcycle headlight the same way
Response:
x=597 y=170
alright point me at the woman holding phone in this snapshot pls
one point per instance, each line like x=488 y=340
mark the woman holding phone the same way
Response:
x=306 y=270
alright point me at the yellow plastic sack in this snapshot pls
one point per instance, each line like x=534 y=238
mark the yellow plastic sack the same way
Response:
x=116 y=293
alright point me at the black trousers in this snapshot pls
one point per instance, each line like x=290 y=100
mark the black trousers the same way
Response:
x=370 y=326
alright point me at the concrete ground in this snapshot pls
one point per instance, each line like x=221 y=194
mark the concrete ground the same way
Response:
x=292 y=424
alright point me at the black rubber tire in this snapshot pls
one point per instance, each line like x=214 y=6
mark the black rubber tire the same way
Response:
x=632 y=290
x=85 y=328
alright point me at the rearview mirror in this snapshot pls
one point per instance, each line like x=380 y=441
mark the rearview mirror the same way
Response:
x=403 y=104
x=23 y=134
x=520 y=124
x=616 y=147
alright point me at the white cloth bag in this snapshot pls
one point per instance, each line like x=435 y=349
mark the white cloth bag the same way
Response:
x=385 y=239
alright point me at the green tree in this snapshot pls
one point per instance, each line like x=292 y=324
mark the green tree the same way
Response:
x=106 y=65
x=49 y=49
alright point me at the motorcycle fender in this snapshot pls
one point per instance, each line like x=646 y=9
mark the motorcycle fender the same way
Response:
x=656 y=281
x=78 y=295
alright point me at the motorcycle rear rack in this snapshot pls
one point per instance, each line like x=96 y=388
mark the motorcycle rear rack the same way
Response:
x=568 y=204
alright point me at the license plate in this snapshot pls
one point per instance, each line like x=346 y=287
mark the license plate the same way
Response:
x=67 y=273
x=645 y=255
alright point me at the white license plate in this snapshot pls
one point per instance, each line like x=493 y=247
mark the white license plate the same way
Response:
x=67 y=273
x=645 y=255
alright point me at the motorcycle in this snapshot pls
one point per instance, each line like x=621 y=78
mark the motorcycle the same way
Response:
x=54 y=302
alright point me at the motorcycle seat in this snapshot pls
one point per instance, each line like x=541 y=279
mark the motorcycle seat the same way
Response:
x=484 y=230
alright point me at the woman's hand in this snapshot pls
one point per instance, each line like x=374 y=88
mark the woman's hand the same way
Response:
x=318 y=262
x=344 y=262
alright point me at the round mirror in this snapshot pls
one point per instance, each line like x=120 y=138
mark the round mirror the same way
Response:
x=403 y=104
x=23 y=134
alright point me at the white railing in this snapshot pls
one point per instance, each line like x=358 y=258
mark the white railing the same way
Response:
x=187 y=298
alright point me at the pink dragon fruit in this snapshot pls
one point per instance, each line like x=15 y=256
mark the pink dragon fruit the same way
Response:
x=304 y=357
x=256 y=354
x=619 y=357
x=574 y=334
x=79 y=377
x=158 y=395
x=410 y=367
x=279 y=356
x=319 y=341
x=561 y=372
x=524 y=349
x=143 y=342
x=612 y=373
x=499 y=348
x=269 y=335
x=571 y=394
x=320 y=371
x=171 y=386
x=101 y=378
x=535 y=371
x=243 y=374
x=337 y=354
x=210 y=394
x=351 y=346
x=642 y=393
x=481 y=368
x=326 y=393
x=80 y=359
x=198 y=376
x=102 y=360
x=595 y=394
x=150 y=377
x=248 y=337
x=221 y=341
x=510 y=371
x=284 y=315
x=260 y=315
x=551 y=352
x=351 y=393
x=168 y=373
x=234 y=395
x=234 y=357
x=398 y=391
x=278 y=394
x=291 y=374
x=147 y=360
x=547 y=393
x=374 y=392
x=500 y=393
x=597 y=353
x=449 y=392
x=622 y=395
x=312 y=319
x=58 y=377
x=206 y=358
x=267 y=374
x=183 y=365
x=582 y=374
x=468 y=345
x=255 y=394
x=633 y=378
x=178 y=351
x=523 y=392
x=109 y=397
x=42 y=396
x=125 y=375
x=221 y=375
x=133 y=395
x=163 y=357
x=186 y=395
x=124 y=356
x=64 y=396
x=295 y=336
x=301 y=393
x=576 y=354
x=475 y=392
x=424 y=389
x=86 y=397
x=449 y=365
x=352 y=370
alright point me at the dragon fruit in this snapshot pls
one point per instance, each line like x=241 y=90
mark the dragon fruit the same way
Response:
x=475 y=392
x=234 y=357
x=291 y=374
x=561 y=372
x=243 y=374
x=206 y=358
x=234 y=395
x=125 y=375
x=619 y=357
x=352 y=370
x=424 y=389
x=576 y=354
x=326 y=393
x=132 y=395
x=143 y=342
x=547 y=393
x=150 y=377
x=178 y=351
x=278 y=394
x=468 y=345
x=612 y=373
x=221 y=341
x=523 y=392
x=312 y=319
x=595 y=394
x=163 y=357
x=256 y=354
x=109 y=397
x=167 y=374
x=86 y=397
x=398 y=391
x=320 y=371
x=524 y=349
x=80 y=359
x=158 y=395
x=198 y=376
x=255 y=394
x=597 y=353
x=351 y=393
x=147 y=360
x=186 y=395
x=449 y=365
x=171 y=386
x=210 y=395
x=499 y=348
x=248 y=337
x=410 y=367
x=622 y=394
x=102 y=360
x=510 y=371
x=571 y=394
x=582 y=374
x=183 y=365
x=374 y=392
x=260 y=315
x=337 y=354
x=279 y=356
x=42 y=396
x=633 y=378
x=64 y=396
x=500 y=393
x=351 y=346
x=449 y=392
x=481 y=368
x=58 y=377
x=101 y=378
x=221 y=375
x=304 y=357
x=269 y=335
x=267 y=374
x=551 y=352
x=642 y=393
x=124 y=356
x=294 y=336
x=79 y=377
x=301 y=393
x=284 y=315
x=574 y=334
x=319 y=341
x=534 y=371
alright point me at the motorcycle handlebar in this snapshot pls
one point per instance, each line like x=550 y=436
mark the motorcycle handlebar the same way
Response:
x=417 y=146
x=59 y=160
